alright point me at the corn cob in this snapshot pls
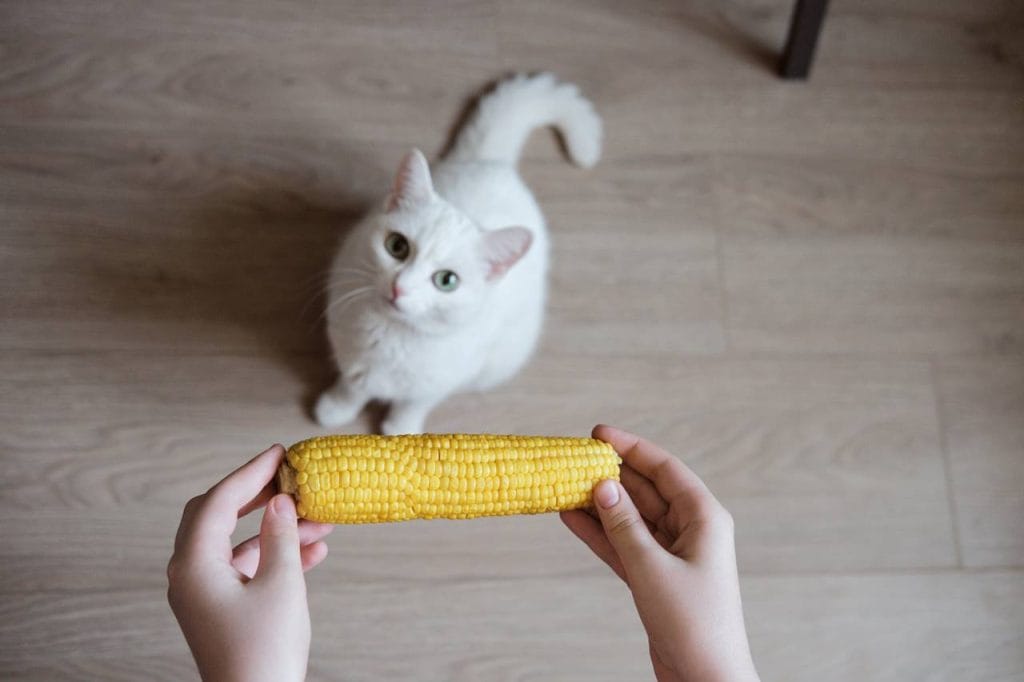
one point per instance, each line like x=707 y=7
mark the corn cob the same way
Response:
x=372 y=479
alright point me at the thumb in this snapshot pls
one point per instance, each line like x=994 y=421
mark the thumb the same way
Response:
x=279 y=539
x=623 y=525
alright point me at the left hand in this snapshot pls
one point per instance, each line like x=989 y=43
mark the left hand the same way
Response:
x=243 y=610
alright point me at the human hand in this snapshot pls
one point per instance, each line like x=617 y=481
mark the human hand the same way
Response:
x=243 y=611
x=664 y=533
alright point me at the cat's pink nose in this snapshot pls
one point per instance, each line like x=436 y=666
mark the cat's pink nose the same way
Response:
x=396 y=291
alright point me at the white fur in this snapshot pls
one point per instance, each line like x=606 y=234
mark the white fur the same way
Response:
x=473 y=216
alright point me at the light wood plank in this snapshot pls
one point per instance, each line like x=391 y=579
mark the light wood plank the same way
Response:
x=794 y=196
x=130 y=430
x=498 y=629
x=696 y=79
x=983 y=416
x=173 y=245
x=112 y=668
x=626 y=258
x=934 y=627
x=861 y=293
x=355 y=69
x=949 y=44
x=707 y=44
x=926 y=626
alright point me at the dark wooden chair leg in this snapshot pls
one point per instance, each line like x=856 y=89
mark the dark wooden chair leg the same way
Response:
x=808 y=16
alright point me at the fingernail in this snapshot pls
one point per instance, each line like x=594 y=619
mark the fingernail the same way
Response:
x=276 y=445
x=607 y=494
x=283 y=509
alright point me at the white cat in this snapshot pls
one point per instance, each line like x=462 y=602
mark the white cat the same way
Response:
x=443 y=289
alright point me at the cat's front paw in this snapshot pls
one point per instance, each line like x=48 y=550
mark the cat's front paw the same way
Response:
x=331 y=411
x=399 y=427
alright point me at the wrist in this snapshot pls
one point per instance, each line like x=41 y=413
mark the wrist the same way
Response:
x=253 y=670
x=708 y=666
x=732 y=671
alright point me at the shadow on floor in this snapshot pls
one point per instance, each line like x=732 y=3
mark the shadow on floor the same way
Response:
x=241 y=267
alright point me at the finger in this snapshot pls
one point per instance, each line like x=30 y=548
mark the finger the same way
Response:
x=646 y=497
x=279 y=540
x=651 y=528
x=706 y=529
x=218 y=514
x=670 y=476
x=246 y=559
x=623 y=525
x=309 y=532
x=246 y=554
x=589 y=530
x=187 y=521
x=313 y=554
x=261 y=499
x=663 y=539
x=244 y=485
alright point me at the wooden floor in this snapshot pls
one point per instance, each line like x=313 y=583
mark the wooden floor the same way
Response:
x=813 y=293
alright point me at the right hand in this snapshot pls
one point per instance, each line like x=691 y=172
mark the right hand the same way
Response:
x=664 y=533
x=243 y=611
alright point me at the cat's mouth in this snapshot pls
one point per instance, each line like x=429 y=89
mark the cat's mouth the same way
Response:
x=392 y=304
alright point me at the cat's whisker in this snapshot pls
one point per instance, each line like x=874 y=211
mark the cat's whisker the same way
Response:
x=345 y=305
x=310 y=300
x=342 y=276
x=314 y=275
x=316 y=282
x=348 y=297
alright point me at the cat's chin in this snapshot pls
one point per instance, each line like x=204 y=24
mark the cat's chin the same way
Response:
x=391 y=309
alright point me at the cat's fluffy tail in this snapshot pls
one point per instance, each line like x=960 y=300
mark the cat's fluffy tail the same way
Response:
x=504 y=118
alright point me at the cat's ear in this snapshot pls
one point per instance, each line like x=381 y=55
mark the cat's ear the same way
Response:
x=412 y=182
x=503 y=248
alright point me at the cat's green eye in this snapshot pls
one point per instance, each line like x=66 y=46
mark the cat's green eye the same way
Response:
x=446 y=280
x=397 y=245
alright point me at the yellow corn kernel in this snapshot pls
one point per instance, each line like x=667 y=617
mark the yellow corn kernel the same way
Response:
x=372 y=479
